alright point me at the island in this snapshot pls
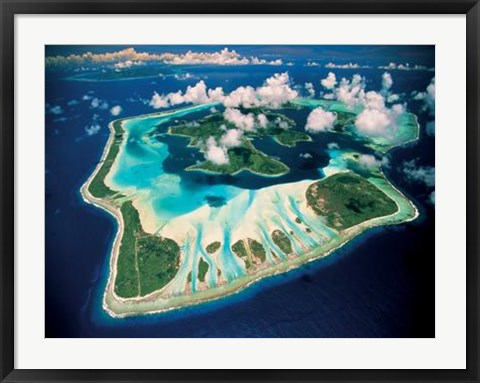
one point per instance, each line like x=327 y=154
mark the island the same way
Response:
x=245 y=156
x=182 y=242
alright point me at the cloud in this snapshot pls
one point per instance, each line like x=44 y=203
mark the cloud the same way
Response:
x=184 y=76
x=215 y=153
x=406 y=66
x=92 y=129
x=262 y=120
x=330 y=81
x=422 y=174
x=72 y=103
x=257 y=61
x=197 y=94
x=428 y=97
x=305 y=155
x=374 y=119
x=213 y=110
x=310 y=89
x=418 y=96
x=351 y=92
x=116 y=110
x=232 y=138
x=371 y=162
x=312 y=63
x=128 y=57
x=320 y=120
x=127 y=64
x=100 y=104
x=331 y=65
x=158 y=101
x=57 y=109
x=275 y=92
x=387 y=82
x=392 y=98
x=282 y=124
x=374 y=100
x=373 y=122
x=241 y=121
x=333 y=145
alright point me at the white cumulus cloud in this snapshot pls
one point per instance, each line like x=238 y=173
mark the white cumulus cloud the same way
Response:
x=422 y=174
x=241 y=121
x=128 y=57
x=215 y=153
x=320 y=120
x=373 y=122
x=232 y=138
x=262 y=120
x=369 y=161
x=275 y=92
x=116 y=110
x=91 y=130
x=310 y=89
x=387 y=82
x=99 y=104
x=330 y=81
x=57 y=109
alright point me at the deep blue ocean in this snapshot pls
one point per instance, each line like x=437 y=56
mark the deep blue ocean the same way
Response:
x=379 y=285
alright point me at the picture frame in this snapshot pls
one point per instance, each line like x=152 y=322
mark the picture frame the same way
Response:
x=10 y=8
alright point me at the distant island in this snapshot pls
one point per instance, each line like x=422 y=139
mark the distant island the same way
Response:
x=245 y=156
x=161 y=264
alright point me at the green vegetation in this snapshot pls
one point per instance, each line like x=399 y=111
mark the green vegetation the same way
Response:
x=245 y=157
x=344 y=119
x=199 y=131
x=202 y=270
x=247 y=249
x=289 y=137
x=97 y=186
x=241 y=251
x=282 y=241
x=308 y=230
x=213 y=247
x=146 y=262
x=346 y=199
x=298 y=220
x=257 y=250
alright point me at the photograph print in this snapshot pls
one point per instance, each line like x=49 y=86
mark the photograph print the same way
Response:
x=243 y=191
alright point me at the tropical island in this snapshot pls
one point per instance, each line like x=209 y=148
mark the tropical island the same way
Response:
x=206 y=251
x=244 y=156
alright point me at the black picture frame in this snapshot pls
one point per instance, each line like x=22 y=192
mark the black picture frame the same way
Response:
x=10 y=8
